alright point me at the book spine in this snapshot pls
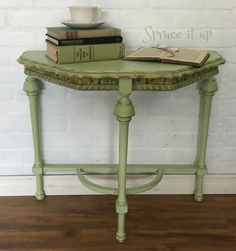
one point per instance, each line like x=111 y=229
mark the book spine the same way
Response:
x=52 y=52
x=85 y=41
x=86 y=53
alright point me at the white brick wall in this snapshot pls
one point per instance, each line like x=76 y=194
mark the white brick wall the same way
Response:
x=16 y=4
x=58 y=4
x=38 y=17
x=206 y=19
x=180 y=4
x=79 y=126
x=15 y=38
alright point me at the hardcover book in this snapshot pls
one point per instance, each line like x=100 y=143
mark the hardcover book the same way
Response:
x=84 y=41
x=84 y=53
x=69 y=33
x=183 y=56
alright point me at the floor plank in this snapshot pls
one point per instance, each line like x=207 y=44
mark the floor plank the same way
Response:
x=88 y=223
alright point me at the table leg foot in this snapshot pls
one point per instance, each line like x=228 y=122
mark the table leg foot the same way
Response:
x=120 y=235
x=40 y=195
x=121 y=209
x=120 y=239
x=198 y=197
x=198 y=193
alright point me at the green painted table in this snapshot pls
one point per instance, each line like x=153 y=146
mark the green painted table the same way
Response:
x=125 y=77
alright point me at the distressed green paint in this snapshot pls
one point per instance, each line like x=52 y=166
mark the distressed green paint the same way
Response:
x=32 y=87
x=125 y=77
x=105 y=75
x=113 y=190
x=148 y=186
x=96 y=187
x=207 y=89
x=124 y=110
x=92 y=169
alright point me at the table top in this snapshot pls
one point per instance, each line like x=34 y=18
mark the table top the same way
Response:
x=104 y=75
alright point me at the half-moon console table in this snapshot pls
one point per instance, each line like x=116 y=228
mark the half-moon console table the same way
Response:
x=125 y=77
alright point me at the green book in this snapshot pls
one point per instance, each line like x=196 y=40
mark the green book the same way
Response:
x=84 y=53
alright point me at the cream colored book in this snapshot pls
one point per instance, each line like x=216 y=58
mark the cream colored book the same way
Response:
x=170 y=55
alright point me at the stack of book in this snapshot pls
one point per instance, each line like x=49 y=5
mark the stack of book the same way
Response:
x=67 y=45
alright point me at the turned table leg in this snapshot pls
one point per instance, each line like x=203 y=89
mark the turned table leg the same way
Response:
x=207 y=90
x=32 y=87
x=124 y=110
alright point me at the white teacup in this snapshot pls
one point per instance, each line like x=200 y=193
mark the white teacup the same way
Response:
x=84 y=14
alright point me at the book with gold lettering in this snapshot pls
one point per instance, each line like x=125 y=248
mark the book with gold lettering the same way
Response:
x=84 y=53
x=165 y=54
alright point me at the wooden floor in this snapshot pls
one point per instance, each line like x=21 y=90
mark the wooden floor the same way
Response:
x=88 y=223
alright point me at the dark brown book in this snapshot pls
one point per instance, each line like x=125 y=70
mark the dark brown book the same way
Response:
x=69 y=33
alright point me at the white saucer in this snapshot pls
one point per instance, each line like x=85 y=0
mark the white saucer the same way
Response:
x=74 y=24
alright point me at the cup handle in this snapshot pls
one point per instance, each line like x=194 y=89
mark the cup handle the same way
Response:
x=99 y=13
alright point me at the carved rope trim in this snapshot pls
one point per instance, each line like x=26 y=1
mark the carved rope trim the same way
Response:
x=91 y=84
